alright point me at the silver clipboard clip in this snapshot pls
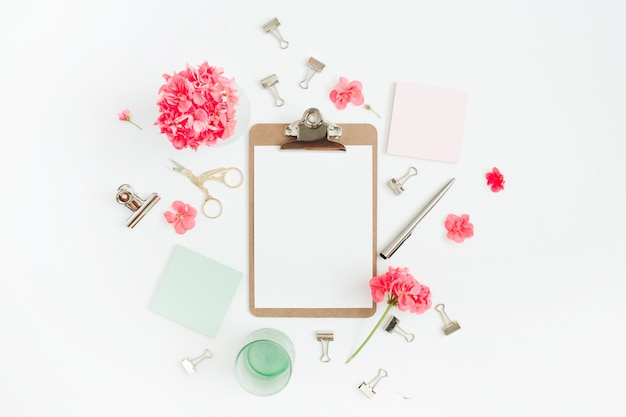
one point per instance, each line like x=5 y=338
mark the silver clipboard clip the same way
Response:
x=269 y=83
x=314 y=66
x=449 y=326
x=313 y=133
x=397 y=184
x=393 y=327
x=368 y=387
x=325 y=336
x=189 y=364
x=272 y=27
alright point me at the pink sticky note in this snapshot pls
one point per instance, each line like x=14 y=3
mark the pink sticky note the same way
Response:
x=427 y=122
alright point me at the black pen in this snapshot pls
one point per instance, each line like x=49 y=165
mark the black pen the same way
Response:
x=406 y=232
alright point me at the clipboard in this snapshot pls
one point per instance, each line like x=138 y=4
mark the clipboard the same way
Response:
x=312 y=219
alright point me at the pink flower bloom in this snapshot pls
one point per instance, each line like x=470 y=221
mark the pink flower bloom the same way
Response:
x=380 y=286
x=410 y=294
x=402 y=290
x=459 y=228
x=347 y=92
x=422 y=300
x=197 y=106
x=183 y=218
x=405 y=291
x=124 y=116
x=495 y=179
x=398 y=273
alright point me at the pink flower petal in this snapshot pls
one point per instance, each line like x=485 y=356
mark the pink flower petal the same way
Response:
x=355 y=86
x=188 y=222
x=451 y=221
x=344 y=83
x=357 y=99
x=179 y=228
x=178 y=206
x=170 y=217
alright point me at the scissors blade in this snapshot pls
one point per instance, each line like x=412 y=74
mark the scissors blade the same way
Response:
x=177 y=167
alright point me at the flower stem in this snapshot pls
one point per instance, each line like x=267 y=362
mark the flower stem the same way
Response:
x=368 y=107
x=371 y=333
x=134 y=124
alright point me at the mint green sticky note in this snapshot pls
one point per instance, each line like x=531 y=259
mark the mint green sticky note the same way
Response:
x=196 y=291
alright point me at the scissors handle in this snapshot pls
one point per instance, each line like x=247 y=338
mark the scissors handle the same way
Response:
x=221 y=175
x=216 y=212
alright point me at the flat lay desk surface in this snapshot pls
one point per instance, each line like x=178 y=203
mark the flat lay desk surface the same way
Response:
x=538 y=290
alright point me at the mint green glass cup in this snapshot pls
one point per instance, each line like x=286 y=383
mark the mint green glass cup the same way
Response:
x=264 y=364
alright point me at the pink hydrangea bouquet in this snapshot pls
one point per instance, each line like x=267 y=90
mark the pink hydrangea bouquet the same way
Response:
x=401 y=290
x=197 y=106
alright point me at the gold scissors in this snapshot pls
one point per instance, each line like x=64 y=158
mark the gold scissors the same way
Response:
x=220 y=175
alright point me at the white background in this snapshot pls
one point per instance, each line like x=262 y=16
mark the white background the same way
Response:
x=538 y=290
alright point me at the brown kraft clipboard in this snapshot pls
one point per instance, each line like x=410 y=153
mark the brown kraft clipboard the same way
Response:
x=274 y=135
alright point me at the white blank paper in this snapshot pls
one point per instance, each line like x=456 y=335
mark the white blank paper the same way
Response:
x=313 y=228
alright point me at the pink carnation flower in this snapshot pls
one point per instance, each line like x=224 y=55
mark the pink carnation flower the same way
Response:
x=459 y=228
x=197 y=106
x=495 y=179
x=347 y=92
x=183 y=218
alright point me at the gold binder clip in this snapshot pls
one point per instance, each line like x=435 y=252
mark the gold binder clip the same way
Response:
x=314 y=66
x=126 y=196
x=190 y=364
x=313 y=133
x=449 y=325
x=397 y=185
x=272 y=27
x=325 y=336
x=269 y=83
x=368 y=387
x=392 y=326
